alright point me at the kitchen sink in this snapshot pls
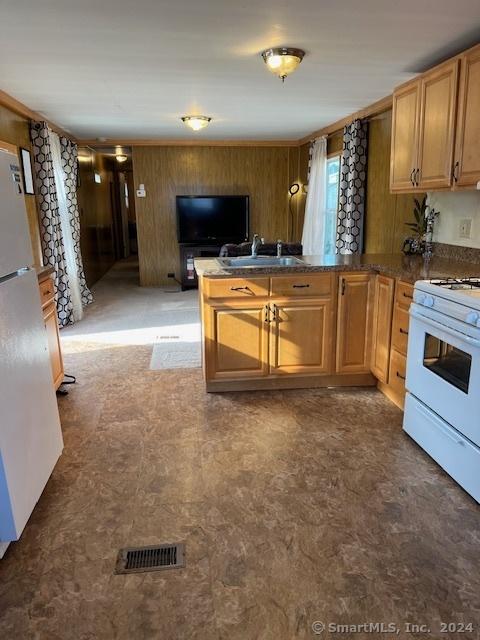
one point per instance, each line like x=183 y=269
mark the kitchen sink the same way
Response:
x=261 y=261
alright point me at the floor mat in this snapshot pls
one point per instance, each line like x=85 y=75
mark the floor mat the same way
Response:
x=170 y=353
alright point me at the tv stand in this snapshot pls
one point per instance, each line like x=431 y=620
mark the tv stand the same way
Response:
x=188 y=277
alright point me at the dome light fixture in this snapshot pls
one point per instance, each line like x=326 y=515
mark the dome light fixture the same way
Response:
x=282 y=61
x=196 y=122
x=120 y=157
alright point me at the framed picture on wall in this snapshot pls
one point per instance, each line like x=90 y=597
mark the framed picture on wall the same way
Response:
x=27 y=171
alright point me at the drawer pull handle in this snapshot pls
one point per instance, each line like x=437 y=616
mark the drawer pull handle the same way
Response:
x=405 y=333
x=455 y=171
x=239 y=289
x=267 y=313
x=399 y=375
x=301 y=286
x=407 y=295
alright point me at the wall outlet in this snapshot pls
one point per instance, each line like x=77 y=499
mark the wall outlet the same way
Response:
x=465 y=228
x=170 y=274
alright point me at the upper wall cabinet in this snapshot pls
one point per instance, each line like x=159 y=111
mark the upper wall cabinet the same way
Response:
x=403 y=162
x=436 y=131
x=466 y=170
x=423 y=131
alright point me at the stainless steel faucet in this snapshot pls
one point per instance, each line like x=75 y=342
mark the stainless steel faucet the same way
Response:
x=279 y=248
x=256 y=242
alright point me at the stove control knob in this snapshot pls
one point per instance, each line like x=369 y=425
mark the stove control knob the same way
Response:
x=473 y=318
x=429 y=301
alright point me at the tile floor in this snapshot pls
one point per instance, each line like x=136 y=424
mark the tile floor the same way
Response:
x=295 y=506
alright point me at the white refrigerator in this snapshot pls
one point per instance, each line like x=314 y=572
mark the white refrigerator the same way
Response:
x=30 y=434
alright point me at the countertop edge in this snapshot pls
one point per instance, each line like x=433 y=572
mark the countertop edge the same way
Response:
x=43 y=272
x=407 y=268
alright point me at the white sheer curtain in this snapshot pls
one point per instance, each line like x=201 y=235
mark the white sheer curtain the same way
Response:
x=68 y=242
x=313 y=238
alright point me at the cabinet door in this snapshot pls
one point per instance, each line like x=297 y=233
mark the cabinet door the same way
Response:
x=467 y=155
x=354 y=323
x=382 y=326
x=51 y=325
x=437 y=127
x=236 y=340
x=405 y=116
x=301 y=337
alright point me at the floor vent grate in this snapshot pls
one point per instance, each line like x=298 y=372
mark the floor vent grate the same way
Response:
x=155 y=558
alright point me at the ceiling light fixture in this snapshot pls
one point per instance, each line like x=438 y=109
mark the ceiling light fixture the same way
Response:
x=121 y=158
x=196 y=122
x=282 y=61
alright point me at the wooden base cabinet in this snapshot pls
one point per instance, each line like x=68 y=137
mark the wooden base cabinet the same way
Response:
x=236 y=340
x=47 y=292
x=301 y=337
x=354 y=321
x=394 y=386
x=287 y=331
x=382 y=327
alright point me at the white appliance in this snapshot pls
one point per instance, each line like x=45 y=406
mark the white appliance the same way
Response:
x=442 y=409
x=30 y=434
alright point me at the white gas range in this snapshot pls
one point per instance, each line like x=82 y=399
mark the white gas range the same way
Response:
x=442 y=408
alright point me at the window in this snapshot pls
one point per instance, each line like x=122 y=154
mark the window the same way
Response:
x=331 y=209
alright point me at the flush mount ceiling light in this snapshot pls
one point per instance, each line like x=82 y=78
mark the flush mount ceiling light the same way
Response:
x=282 y=61
x=196 y=122
x=121 y=158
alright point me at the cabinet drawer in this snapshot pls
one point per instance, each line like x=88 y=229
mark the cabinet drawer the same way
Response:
x=398 y=367
x=302 y=285
x=401 y=321
x=47 y=291
x=235 y=287
x=404 y=293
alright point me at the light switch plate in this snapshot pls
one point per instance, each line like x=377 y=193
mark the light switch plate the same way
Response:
x=465 y=229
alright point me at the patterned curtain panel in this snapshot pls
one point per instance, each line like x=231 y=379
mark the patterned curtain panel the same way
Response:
x=70 y=168
x=353 y=180
x=50 y=225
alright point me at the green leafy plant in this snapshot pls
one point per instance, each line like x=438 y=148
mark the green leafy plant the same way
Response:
x=419 y=227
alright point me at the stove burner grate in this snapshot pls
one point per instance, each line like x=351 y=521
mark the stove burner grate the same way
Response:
x=457 y=283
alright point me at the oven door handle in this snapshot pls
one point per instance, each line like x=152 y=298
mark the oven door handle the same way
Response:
x=442 y=327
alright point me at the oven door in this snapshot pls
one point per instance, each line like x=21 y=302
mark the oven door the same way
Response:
x=443 y=371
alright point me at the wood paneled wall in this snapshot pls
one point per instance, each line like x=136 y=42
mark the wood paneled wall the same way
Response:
x=16 y=130
x=263 y=173
x=385 y=213
x=96 y=214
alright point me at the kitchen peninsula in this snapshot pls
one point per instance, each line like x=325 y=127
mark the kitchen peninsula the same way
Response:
x=327 y=321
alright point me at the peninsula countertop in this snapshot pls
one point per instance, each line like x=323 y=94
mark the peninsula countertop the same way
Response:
x=408 y=268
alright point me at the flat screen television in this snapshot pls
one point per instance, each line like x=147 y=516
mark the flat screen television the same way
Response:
x=212 y=219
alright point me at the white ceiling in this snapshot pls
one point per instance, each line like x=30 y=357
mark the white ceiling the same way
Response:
x=121 y=69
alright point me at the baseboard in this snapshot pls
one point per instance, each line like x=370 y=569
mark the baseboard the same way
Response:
x=397 y=399
x=292 y=382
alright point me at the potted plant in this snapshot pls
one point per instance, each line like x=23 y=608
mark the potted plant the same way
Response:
x=419 y=243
